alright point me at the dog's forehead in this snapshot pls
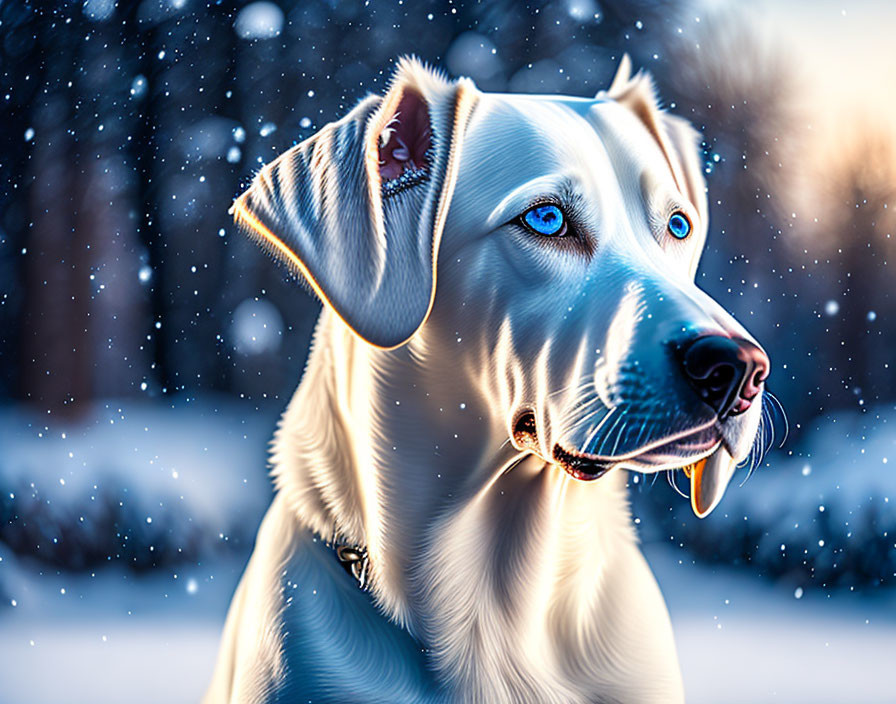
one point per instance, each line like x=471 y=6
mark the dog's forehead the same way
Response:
x=516 y=120
x=526 y=136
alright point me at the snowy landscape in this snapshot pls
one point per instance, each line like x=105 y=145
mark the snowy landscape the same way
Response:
x=198 y=469
x=147 y=349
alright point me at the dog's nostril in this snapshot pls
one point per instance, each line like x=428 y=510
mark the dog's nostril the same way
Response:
x=726 y=373
x=751 y=390
x=720 y=377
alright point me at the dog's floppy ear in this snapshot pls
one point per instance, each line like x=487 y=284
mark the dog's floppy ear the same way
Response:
x=675 y=136
x=358 y=208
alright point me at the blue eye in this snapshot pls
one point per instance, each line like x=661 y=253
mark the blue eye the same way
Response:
x=679 y=226
x=545 y=220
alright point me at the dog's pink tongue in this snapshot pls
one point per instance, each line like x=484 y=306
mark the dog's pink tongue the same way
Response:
x=709 y=478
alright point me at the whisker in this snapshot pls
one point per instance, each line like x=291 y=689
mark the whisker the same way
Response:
x=754 y=459
x=593 y=434
x=644 y=424
x=581 y=419
x=671 y=477
x=571 y=388
x=766 y=433
x=780 y=408
x=619 y=434
x=609 y=433
x=766 y=416
x=766 y=436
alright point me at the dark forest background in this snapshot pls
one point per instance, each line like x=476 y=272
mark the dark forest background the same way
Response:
x=129 y=128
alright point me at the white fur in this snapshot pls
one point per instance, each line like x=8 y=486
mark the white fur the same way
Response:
x=495 y=576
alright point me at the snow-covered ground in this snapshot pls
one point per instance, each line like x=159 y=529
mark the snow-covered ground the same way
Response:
x=113 y=637
x=740 y=639
x=111 y=633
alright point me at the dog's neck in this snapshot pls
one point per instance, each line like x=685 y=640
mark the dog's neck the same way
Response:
x=483 y=556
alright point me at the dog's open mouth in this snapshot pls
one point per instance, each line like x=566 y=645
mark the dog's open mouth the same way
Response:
x=708 y=473
x=700 y=455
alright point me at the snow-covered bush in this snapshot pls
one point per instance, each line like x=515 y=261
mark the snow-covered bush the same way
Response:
x=106 y=524
x=143 y=487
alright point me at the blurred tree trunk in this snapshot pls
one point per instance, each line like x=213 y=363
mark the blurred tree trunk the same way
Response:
x=84 y=310
x=22 y=46
x=142 y=37
x=56 y=367
x=106 y=217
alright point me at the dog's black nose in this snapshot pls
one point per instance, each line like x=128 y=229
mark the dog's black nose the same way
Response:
x=726 y=373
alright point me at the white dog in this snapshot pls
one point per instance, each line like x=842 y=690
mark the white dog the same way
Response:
x=509 y=312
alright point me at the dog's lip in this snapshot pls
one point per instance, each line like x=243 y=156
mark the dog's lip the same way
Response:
x=653 y=458
x=580 y=465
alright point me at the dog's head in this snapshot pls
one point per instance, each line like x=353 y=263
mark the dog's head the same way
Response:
x=564 y=233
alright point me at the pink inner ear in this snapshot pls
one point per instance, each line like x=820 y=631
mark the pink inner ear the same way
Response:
x=407 y=137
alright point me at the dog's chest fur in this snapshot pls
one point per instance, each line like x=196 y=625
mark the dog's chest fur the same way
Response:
x=523 y=586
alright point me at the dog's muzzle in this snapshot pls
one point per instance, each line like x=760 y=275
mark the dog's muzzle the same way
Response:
x=727 y=375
